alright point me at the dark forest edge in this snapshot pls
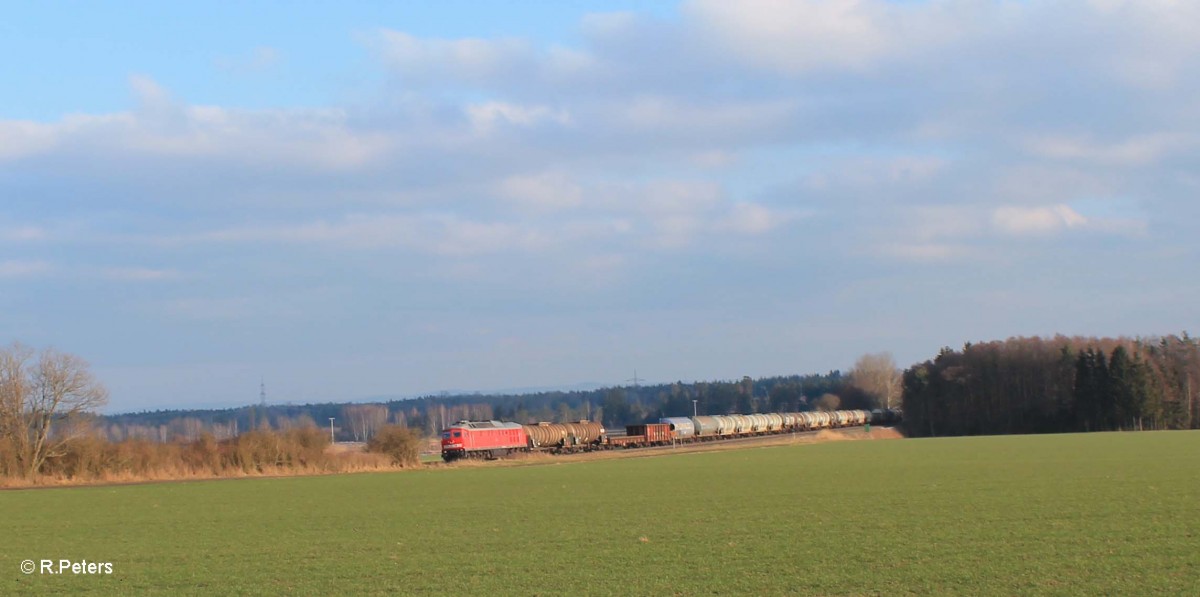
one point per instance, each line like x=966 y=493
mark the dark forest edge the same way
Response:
x=1056 y=385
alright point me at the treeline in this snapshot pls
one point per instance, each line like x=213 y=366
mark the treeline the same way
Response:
x=1036 y=385
x=615 y=407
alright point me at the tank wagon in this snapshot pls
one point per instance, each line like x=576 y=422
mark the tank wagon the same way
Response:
x=682 y=427
x=565 y=436
x=494 y=439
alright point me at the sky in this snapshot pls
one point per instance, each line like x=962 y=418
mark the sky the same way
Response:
x=359 y=199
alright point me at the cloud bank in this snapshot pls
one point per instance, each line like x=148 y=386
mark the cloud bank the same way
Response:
x=753 y=161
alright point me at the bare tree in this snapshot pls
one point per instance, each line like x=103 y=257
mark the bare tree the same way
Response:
x=828 y=402
x=364 y=419
x=877 y=375
x=44 y=398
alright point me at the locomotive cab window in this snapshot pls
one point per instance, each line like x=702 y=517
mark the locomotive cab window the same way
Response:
x=457 y=434
x=446 y=435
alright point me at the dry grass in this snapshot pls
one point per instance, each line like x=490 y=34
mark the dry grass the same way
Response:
x=830 y=435
x=94 y=461
x=341 y=462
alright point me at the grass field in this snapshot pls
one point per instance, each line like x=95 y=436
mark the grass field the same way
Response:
x=1068 y=514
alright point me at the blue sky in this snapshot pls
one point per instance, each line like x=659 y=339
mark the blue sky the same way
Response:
x=376 y=199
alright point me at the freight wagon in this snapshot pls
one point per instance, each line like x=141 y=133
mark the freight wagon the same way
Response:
x=494 y=439
x=641 y=436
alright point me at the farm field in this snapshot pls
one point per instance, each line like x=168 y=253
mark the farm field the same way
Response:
x=1064 y=514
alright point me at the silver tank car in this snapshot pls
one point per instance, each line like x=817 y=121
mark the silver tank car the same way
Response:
x=707 y=426
x=683 y=427
x=758 y=423
x=807 y=420
x=820 y=420
x=774 y=421
x=730 y=424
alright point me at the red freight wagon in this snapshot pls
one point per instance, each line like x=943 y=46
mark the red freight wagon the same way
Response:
x=490 y=439
x=656 y=433
x=653 y=434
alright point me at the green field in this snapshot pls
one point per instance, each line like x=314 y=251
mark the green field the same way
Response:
x=1068 y=514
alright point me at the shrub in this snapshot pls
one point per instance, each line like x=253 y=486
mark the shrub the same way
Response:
x=305 y=446
x=402 y=444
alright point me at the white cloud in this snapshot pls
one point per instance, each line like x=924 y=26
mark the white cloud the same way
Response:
x=877 y=172
x=212 y=309
x=20 y=139
x=163 y=128
x=486 y=116
x=137 y=274
x=673 y=197
x=1134 y=151
x=150 y=95
x=15 y=268
x=927 y=252
x=440 y=234
x=692 y=118
x=798 y=36
x=471 y=60
x=542 y=191
x=753 y=219
x=932 y=222
x=23 y=234
x=715 y=159
x=1036 y=220
x=257 y=60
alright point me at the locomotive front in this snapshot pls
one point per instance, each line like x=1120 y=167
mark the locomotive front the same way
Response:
x=454 y=444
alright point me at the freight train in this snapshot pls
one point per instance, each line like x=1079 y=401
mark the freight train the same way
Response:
x=495 y=439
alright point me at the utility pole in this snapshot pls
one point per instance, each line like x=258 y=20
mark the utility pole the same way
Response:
x=694 y=401
x=331 y=440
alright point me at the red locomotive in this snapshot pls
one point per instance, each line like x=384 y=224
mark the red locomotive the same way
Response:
x=490 y=439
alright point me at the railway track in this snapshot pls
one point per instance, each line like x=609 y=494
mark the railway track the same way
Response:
x=766 y=439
